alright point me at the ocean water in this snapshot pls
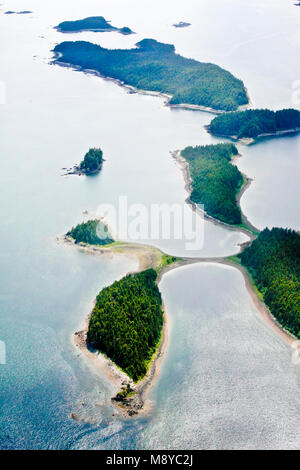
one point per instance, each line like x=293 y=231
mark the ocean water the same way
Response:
x=49 y=118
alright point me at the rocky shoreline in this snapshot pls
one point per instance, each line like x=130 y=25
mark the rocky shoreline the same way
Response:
x=76 y=170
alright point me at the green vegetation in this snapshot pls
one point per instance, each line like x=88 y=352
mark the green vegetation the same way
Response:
x=154 y=66
x=255 y=122
x=273 y=260
x=93 y=232
x=126 y=322
x=166 y=260
x=215 y=182
x=92 y=161
x=92 y=23
x=234 y=258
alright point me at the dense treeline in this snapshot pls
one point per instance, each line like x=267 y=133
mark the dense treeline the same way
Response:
x=254 y=122
x=92 y=161
x=273 y=260
x=126 y=322
x=215 y=181
x=93 y=232
x=155 y=66
x=92 y=23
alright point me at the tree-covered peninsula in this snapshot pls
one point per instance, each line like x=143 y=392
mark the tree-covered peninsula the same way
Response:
x=92 y=23
x=155 y=67
x=93 y=232
x=215 y=181
x=273 y=260
x=254 y=123
x=126 y=322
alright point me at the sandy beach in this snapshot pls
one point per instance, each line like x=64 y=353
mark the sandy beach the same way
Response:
x=245 y=186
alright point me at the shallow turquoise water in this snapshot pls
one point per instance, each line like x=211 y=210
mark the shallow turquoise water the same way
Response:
x=229 y=382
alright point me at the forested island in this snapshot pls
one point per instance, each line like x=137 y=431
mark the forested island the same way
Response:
x=254 y=123
x=93 y=232
x=126 y=322
x=273 y=261
x=215 y=181
x=92 y=23
x=155 y=67
x=91 y=163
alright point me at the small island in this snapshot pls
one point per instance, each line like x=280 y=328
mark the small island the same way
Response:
x=181 y=24
x=254 y=123
x=92 y=23
x=154 y=67
x=92 y=232
x=215 y=182
x=91 y=164
x=273 y=262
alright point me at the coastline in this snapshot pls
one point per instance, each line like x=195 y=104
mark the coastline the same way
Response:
x=253 y=140
x=184 y=166
x=139 y=403
x=262 y=308
x=242 y=190
x=133 y=90
x=147 y=256
x=259 y=304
